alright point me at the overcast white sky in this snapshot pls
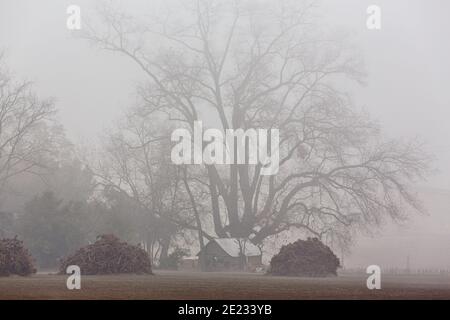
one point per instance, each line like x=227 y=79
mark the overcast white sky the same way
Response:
x=407 y=60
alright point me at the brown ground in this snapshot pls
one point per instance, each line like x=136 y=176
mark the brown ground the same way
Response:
x=179 y=285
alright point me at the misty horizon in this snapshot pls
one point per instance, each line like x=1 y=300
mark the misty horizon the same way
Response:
x=133 y=116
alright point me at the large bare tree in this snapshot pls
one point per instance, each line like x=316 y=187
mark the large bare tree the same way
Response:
x=248 y=64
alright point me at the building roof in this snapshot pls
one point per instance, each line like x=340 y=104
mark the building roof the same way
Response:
x=233 y=247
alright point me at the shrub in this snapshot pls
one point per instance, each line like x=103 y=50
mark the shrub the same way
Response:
x=307 y=258
x=109 y=255
x=173 y=260
x=15 y=259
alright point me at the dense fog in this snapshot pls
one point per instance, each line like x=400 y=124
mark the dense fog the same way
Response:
x=109 y=110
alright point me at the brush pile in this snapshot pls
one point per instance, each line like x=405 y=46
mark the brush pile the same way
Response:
x=305 y=258
x=15 y=258
x=109 y=255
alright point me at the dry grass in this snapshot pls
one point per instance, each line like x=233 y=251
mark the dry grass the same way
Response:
x=178 y=285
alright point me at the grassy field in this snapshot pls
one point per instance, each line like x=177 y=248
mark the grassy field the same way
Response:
x=180 y=285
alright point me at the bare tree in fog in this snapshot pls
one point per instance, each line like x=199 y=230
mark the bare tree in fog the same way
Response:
x=250 y=66
x=137 y=164
x=25 y=136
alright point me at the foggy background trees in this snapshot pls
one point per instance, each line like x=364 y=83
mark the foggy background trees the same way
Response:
x=26 y=136
x=233 y=66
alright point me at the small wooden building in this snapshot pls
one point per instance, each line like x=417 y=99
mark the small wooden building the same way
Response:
x=231 y=254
